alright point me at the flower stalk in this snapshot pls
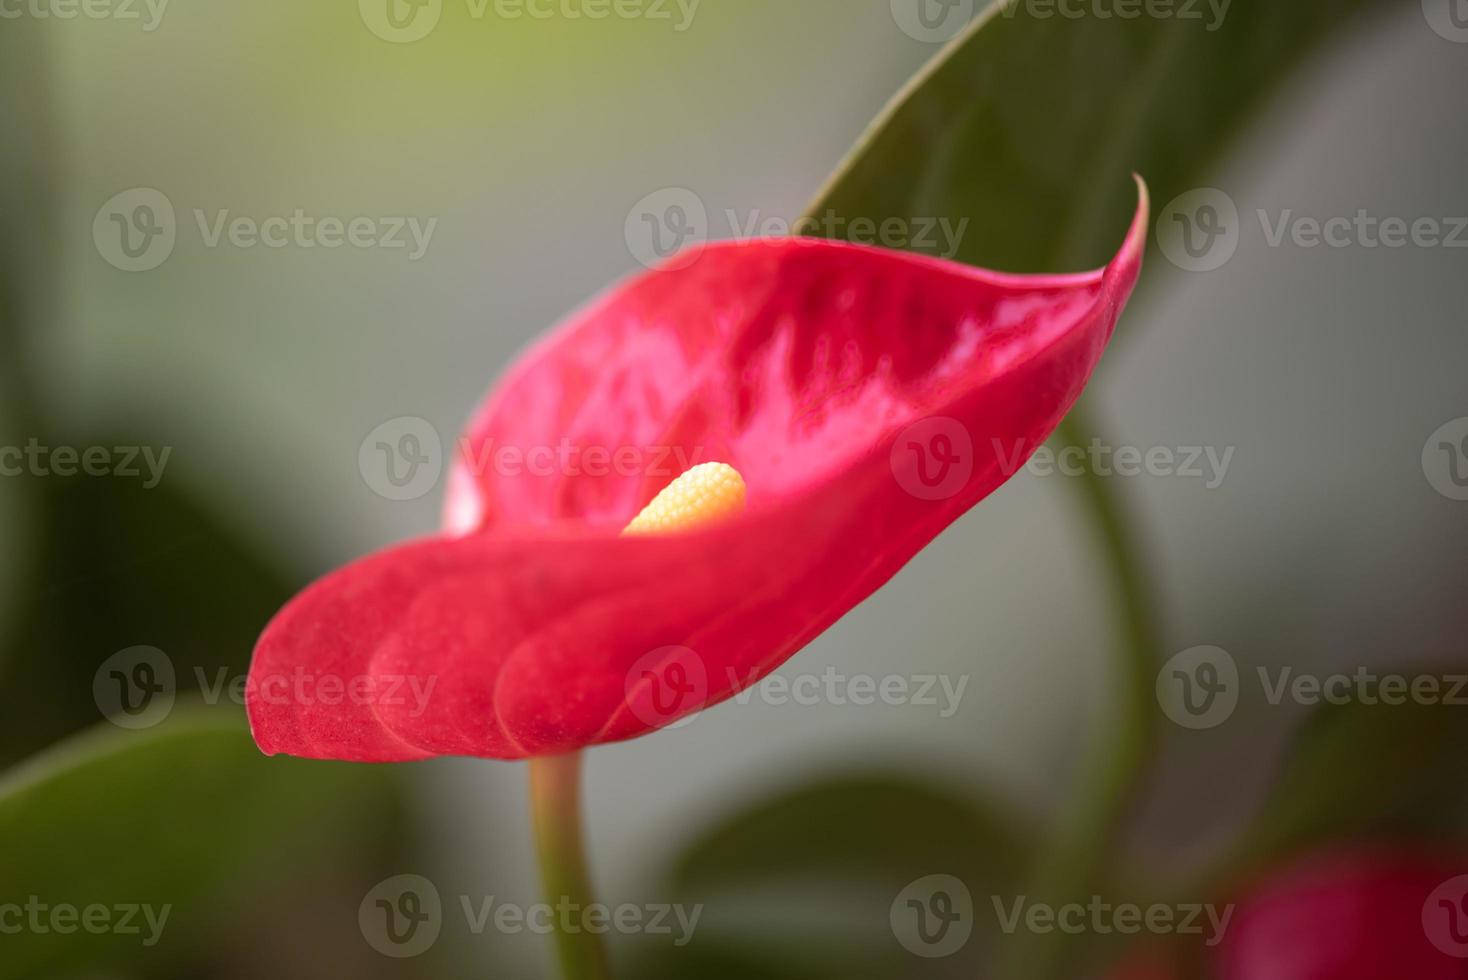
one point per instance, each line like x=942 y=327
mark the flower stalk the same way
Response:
x=1080 y=854
x=555 y=808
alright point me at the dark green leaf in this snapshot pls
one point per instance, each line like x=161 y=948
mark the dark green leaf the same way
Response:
x=119 y=566
x=1031 y=126
x=1363 y=769
x=188 y=816
x=884 y=827
x=808 y=878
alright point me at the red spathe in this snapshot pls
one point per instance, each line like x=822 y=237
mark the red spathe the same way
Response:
x=868 y=397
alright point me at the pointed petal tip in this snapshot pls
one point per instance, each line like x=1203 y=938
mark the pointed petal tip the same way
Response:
x=1136 y=238
x=1124 y=269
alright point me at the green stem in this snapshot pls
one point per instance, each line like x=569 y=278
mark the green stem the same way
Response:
x=1077 y=859
x=555 y=810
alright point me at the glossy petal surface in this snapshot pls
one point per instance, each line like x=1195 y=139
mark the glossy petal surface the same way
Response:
x=867 y=397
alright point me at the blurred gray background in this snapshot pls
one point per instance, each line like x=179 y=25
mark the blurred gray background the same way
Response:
x=1325 y=369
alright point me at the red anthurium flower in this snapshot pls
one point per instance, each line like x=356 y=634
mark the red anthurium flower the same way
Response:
x=1357 y=916
x=867 y=397
x=1360 y=915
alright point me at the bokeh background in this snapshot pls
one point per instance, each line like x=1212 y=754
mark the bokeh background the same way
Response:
x=533 y=143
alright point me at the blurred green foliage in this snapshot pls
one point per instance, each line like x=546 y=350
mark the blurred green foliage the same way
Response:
x=187 y=819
